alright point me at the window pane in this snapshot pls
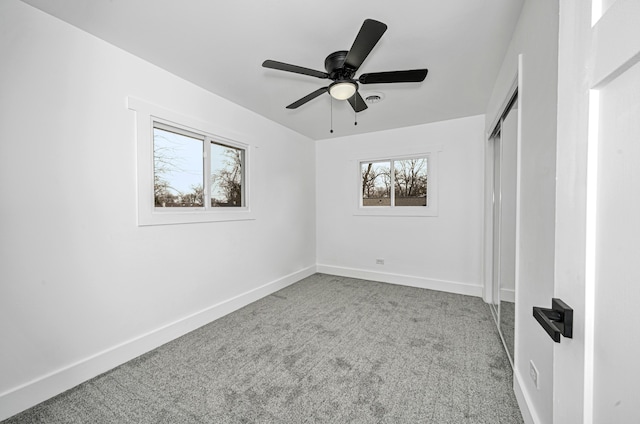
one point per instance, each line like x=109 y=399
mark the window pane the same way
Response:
x=376 y=184
x=227 y=176
x=177 y=170
x=410 y=182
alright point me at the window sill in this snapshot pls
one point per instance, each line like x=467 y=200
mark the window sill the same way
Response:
x=395 y=211
x=161 y=216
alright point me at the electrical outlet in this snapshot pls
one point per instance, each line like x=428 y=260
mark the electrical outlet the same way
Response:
x=379 y=261
x=533 y=372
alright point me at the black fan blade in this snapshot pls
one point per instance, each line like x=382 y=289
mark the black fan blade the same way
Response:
x=280 y=66
x=415 y=75
x=357 y=102
x=369 y=35
x=307 y=98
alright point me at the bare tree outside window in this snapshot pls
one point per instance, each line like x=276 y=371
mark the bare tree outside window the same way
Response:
x=178 y=169
x=409 y=182
x=227 y=176
x=376 y=184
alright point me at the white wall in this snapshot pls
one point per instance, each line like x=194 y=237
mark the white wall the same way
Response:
x=442 y=252
x=83 y=288
x=536 y=38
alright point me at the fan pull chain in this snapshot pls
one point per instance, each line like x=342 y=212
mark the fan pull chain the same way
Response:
x=355 y=109
x=331 y=131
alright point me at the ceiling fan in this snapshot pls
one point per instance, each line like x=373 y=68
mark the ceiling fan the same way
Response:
x=341 y=67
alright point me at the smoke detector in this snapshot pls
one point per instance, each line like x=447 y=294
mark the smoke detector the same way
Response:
x=373 y=97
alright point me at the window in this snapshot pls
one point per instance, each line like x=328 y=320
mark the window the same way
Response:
x=186 y=173
x=410 y=182
x=404 y=186
x=179 y=169
x=227 y=176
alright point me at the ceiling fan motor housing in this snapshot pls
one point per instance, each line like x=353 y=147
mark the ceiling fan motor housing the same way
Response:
x=334 y=64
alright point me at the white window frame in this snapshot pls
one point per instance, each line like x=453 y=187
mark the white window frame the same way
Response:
x=432 y=188
x=148 y=214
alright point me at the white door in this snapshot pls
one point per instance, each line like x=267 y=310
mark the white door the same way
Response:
x=597 y=373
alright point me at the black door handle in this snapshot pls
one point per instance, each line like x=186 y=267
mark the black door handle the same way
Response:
x=556 y=321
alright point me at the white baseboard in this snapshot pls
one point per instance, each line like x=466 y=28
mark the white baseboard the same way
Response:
x=508 y=295
x=404 y=280
x=528 y=415
x=32 y=393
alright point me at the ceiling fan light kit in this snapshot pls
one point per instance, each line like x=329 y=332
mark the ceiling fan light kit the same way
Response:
x=342 y=90
x=341 y=67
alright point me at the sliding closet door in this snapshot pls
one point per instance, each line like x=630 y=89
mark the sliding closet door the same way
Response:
x=508 y=178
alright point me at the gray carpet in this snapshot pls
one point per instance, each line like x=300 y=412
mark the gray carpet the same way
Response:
x=324 y=350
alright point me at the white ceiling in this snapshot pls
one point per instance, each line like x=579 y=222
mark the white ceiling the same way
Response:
x=220 y=46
